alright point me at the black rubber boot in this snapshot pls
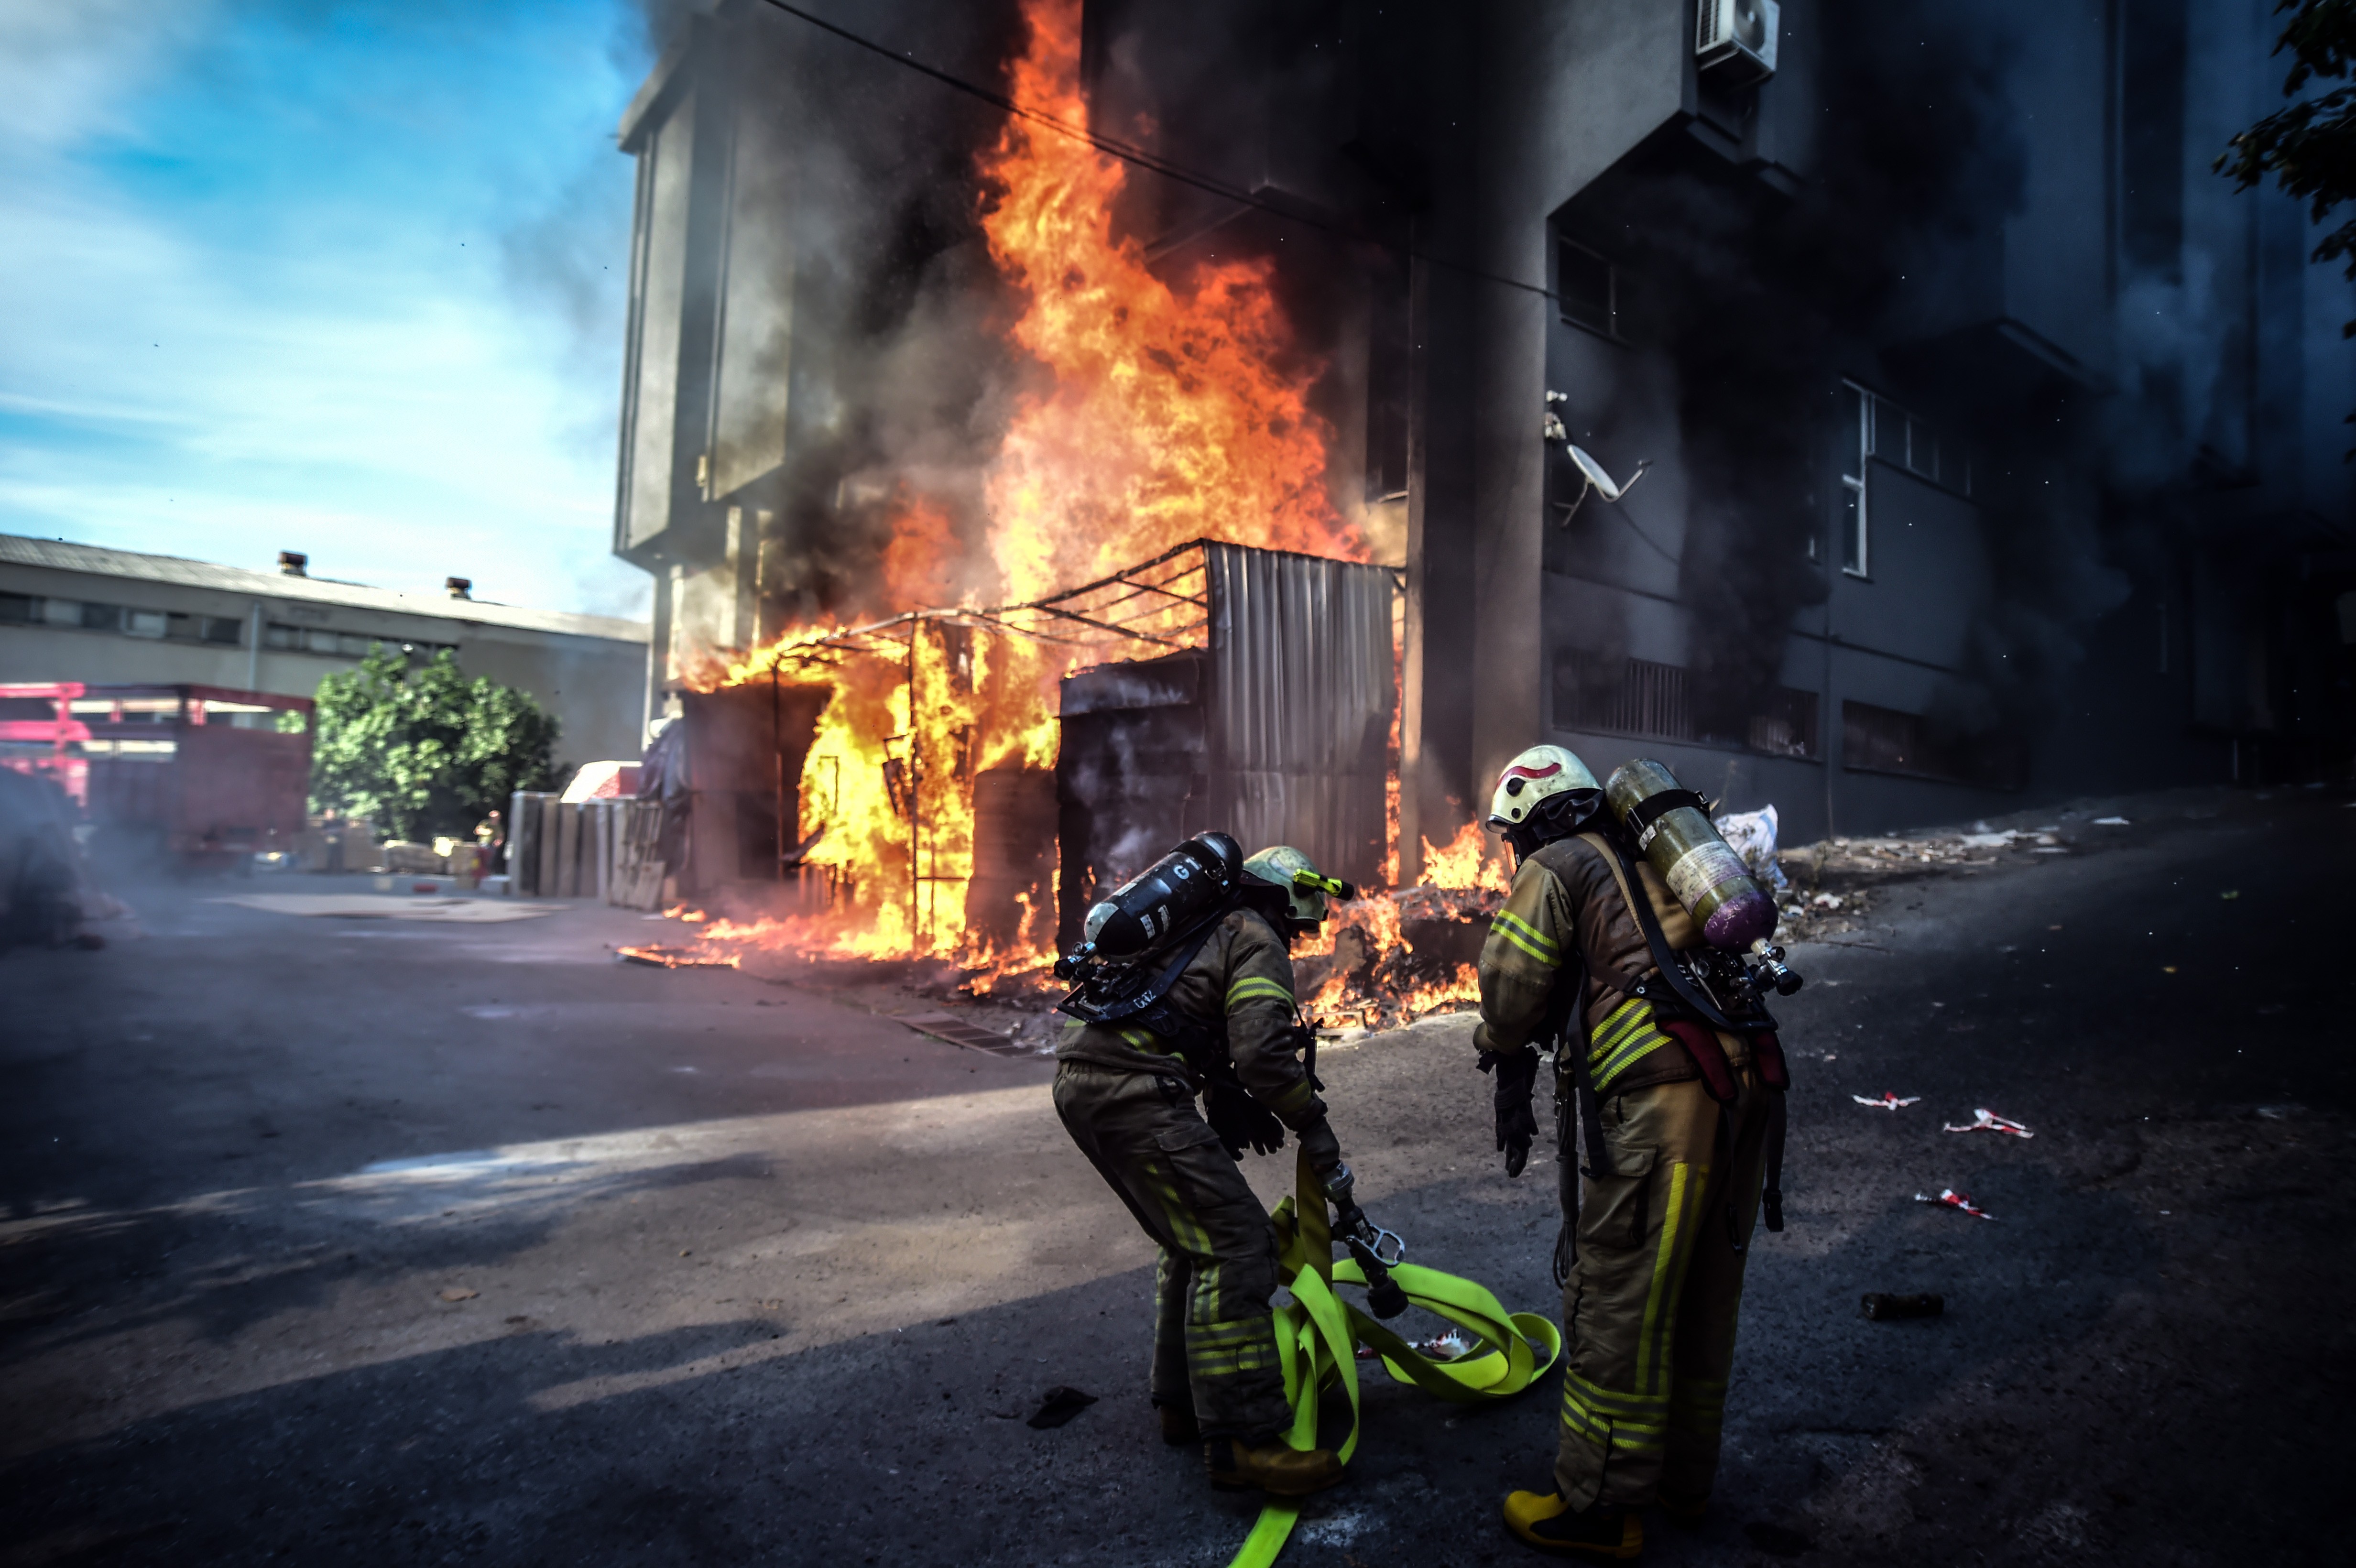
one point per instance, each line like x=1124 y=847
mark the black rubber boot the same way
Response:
x=1178 y=1424
x=1546 y=1522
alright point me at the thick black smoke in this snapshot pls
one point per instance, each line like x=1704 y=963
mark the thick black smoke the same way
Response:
x=857 y=193
x=1767 y=300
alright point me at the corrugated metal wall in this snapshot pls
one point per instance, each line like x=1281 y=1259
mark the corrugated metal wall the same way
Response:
x=1302 y=690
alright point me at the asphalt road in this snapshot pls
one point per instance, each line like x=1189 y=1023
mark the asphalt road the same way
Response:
x=329 y=1240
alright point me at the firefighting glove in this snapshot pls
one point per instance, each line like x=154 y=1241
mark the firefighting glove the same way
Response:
x=1517 y=1124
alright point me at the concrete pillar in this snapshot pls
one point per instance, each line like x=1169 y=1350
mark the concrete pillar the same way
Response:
x=1518 y=52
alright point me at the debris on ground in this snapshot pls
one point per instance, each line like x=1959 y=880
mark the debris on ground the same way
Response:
x=1881 y=1306
x=1832 y=885
x=460 y=1293
x=958 y=1032
x=677 y=957
x=1059 y=1404
x=1889 y=1101
x=1983 y=1122
x=1952 y=1199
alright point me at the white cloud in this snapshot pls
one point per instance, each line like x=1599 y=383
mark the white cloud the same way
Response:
x=351 y=373
x=68 y=68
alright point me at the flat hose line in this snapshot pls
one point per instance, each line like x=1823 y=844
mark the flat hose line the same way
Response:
x=1318 y=1333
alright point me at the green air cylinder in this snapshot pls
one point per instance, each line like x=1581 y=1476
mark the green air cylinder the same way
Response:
x=1170 y=895
x=1669 y=824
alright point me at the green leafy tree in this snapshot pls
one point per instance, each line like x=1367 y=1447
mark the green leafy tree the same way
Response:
x=2310 y=144
x=423 y=751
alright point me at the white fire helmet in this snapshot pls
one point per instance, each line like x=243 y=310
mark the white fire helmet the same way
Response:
x=1287 y=867
x=1535 y=777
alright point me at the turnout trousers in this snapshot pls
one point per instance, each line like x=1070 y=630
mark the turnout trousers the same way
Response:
x=1649 y=1312
x=1214 y=1333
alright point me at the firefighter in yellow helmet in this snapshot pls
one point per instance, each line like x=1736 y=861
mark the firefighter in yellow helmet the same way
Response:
x=1656 y=1226
x=1226 y=1028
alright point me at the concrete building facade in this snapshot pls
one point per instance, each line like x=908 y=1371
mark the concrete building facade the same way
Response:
x=1989 y=441
x=71 y=612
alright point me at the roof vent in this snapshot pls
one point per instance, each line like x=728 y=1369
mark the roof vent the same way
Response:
x=459 y=587
x=294 y=562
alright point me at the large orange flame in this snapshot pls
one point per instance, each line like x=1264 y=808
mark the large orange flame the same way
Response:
x=1169 y=418
x=1170 y=411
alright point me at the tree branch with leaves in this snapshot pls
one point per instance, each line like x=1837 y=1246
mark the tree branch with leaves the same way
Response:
x=423 y=751
x=2308 y=146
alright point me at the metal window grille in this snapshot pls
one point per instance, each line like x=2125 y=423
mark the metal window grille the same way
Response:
x=1641 y=696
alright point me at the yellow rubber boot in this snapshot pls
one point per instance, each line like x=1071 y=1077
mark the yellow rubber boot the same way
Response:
x=1272 y=1467
x=1550 y=1524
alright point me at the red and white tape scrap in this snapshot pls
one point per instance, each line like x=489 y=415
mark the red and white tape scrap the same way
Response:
x=1983 y=1122
x=1889 y=1101
x=1952 y=1199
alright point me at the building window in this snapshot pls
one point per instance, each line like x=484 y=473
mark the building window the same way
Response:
x=1876 y=740
x=337 y=644
x=1588 y=289
x=1641 y=696
x=1856 y=445
x=17 y=609
x=1874 y=427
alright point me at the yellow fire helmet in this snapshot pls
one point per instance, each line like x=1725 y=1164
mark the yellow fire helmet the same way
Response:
x=1530 y=779
x=1282 y=865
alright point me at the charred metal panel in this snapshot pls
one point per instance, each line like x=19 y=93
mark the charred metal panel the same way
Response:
x=1300 y=710
x=744 y=749
x=1129 y=775
x=1279 y=732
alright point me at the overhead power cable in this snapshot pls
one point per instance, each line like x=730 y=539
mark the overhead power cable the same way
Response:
x=1129 y=152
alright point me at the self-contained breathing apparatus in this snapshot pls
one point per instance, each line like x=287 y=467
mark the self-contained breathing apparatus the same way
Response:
x=1694 y=992
x=1140 y=937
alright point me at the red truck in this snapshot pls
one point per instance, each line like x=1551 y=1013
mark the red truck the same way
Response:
x=202 y=775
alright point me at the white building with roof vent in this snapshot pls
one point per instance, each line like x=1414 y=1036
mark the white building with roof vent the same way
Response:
x=74 y=612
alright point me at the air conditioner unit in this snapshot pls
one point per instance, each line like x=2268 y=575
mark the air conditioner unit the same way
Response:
x=1735 y=39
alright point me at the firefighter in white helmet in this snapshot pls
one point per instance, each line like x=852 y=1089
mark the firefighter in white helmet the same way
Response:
x=1651 y=1281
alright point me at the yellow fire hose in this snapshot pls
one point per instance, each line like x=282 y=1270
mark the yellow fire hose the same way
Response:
x=1318 y=1333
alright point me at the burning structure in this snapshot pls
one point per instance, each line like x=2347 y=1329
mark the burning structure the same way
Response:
x=1990 y=441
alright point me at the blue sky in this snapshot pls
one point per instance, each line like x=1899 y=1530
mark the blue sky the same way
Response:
x=345 y=278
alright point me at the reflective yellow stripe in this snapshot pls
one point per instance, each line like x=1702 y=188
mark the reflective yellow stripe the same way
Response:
x=1646 y=1409
x=1623 y=1423
x=1661 y=1300
x=1184 y=1229
x=1254 y=987
x=1527 y=937
x=1619 y=1024
x=1537 y=938
x=1290 y=1098
x=1627 y=1036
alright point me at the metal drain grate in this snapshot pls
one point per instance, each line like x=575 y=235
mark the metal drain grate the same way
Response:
x=956 y=1031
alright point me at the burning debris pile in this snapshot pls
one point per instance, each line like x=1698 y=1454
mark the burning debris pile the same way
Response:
x=1394 y=956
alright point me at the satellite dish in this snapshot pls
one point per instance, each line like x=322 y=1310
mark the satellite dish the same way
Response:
x=1596 y=474
x=1599 y=479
